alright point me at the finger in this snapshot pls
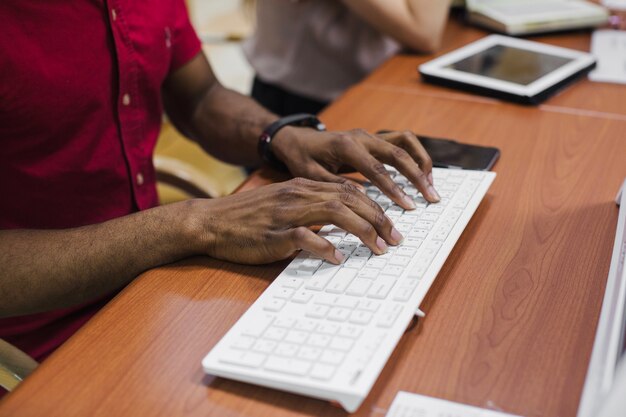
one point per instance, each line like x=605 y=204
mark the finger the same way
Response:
x=400 y=158
x=347 y=194
x=368 y=210
x=303 y=238
x=410 y=143
x=335 y=212
x=357 y=155
x=317 y=172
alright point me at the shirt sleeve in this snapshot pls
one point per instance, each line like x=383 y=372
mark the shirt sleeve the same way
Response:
x=185 y=41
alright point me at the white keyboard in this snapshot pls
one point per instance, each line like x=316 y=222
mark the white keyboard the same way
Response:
x=326 y=331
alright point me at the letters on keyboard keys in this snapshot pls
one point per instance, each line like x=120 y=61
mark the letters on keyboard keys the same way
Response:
x=319 y=328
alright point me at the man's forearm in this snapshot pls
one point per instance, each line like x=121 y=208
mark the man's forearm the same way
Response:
x=42 y=270
x=225 y=123
x=228 y=124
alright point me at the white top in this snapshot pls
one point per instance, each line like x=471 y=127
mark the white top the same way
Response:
x=315 y=48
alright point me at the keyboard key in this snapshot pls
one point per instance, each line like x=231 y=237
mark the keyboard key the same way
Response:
x=359 y=287
x=423 y=224
x=361 y=317
x=341 y=343
x=322 y=372
x=309 y=353
x=297 y=336
x=274 y=305
x=362 y=252
x=347 y=302
x=284 y=293
x=406 y=251
x=286 y=349
x=347 y=247
x=413 y=242
x=288 y=366
x=381 y=289
x=258 y=325
x=369 y=305
x=376 y=263
x=350 y=238
x=434 y=208
x=418 y=233
x=355 y=262
x=332 y=239
x=293 y=283
x=317 y=311
x=309 y=266
x=393 y=270
x=319 y=340
x=322 y=277
x=275 y=333
x=389 y=315
x=399 y=260
x=284 y=322
x=404 y=292
x=264 y=346
x=353 y=332
x=404 y=228
x=387 y=320
x=332 y=357
x=369 y=273
x=306 y=325
x=341 y=280
x=302 y=297
x=327 y=328
x=243 y=342
x=338 y=314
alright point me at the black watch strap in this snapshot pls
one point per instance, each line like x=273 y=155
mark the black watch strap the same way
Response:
x=265 y=140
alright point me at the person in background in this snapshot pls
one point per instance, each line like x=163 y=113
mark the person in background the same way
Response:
x=306 y=53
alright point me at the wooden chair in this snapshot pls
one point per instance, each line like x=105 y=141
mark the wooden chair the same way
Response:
x=184 y=170
x=15 y=365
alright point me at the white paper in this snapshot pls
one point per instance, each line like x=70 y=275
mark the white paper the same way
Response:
x=407 y=404
x=609 y=48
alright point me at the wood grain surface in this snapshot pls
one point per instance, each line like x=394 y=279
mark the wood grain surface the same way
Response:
x=509 y=322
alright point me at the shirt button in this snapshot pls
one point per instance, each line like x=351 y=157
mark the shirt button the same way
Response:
x=139 y=179
x=126 y=99
x=114 y=14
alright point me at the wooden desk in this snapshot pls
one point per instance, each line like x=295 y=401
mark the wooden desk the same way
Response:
x=510 y=319
x=583 y=97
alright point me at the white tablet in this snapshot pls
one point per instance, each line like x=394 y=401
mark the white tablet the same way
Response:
x=508 y=68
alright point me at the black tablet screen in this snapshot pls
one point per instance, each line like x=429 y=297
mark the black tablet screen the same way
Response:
x=514 y=65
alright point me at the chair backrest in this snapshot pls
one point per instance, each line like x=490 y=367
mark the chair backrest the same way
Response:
x=15 y=365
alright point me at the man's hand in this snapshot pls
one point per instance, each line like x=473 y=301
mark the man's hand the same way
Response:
x=269 y=223
x=321 y=155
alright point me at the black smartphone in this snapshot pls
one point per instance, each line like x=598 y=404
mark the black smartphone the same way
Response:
x=447 y=153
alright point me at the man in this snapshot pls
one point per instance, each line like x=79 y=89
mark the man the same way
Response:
x=81 y=98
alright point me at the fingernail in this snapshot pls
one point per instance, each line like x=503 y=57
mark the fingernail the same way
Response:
x=396 y=236
x=430 y=178
x=381 y=244
x=434 y=193
x=409 y=202
x=339 y=256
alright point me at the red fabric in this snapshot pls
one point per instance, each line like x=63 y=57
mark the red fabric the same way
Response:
x=73 y=150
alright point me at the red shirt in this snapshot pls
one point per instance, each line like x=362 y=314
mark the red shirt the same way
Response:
x=80 y=111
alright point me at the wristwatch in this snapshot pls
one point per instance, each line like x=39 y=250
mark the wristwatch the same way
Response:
x=265 y=140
